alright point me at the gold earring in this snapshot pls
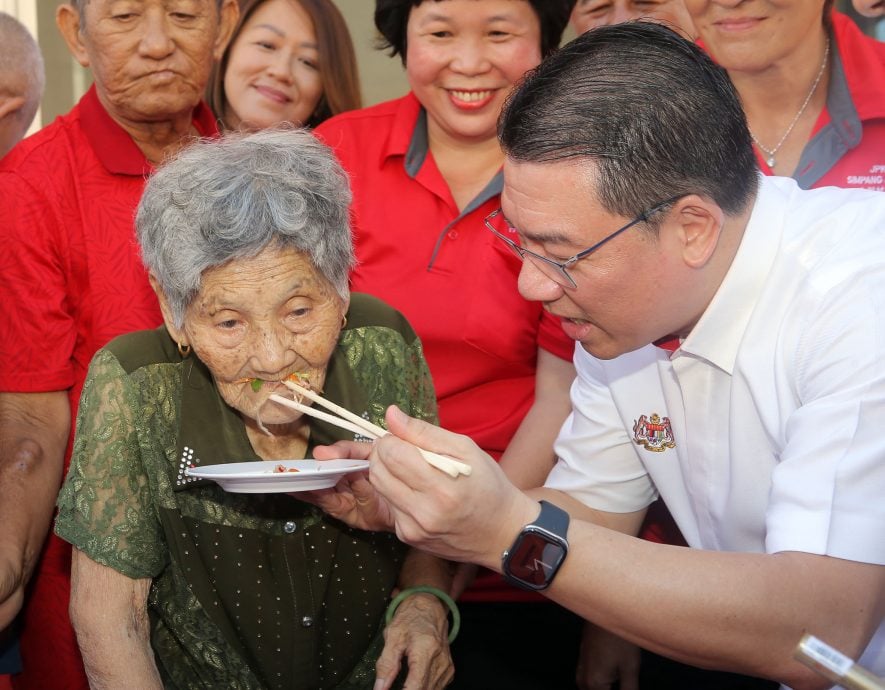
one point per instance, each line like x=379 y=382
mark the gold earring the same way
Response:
x=183 y=350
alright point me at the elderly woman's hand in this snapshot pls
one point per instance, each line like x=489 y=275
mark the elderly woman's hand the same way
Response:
x=419 y=631
x=353 y=500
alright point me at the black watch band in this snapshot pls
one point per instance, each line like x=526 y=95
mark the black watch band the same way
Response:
x=538 y=550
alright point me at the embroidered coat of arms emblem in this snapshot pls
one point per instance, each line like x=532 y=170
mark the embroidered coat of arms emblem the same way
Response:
x=654 y=434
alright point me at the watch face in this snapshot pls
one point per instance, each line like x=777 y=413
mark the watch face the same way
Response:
x=534 y=559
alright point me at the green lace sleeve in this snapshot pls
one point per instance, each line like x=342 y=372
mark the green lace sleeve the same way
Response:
x=105 y=505
x=392 y=370
x=422 y=394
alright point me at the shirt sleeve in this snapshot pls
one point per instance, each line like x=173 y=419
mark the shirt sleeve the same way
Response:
x=37 y=331
x=596 y=463
x=828 y=486
x=552 y=338
x=105 y=506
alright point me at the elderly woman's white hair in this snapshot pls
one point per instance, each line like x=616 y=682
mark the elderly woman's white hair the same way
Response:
x=224 y=199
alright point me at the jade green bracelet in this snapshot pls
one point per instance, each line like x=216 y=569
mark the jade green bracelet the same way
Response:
x=439 y=594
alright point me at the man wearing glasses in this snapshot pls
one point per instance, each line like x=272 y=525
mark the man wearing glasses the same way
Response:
x=633 y=197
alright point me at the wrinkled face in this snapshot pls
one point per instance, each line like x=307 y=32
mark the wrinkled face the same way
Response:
x=589 y=14
x=623 y=299
x=272 y=71
x=264 y=317
x=150 y=58
x=463 y=58
x=752 y=35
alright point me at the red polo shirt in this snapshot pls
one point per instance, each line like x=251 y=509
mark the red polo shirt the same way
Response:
x=847 y=146
x=72 y=279
x=72 y=275
x=453 y=280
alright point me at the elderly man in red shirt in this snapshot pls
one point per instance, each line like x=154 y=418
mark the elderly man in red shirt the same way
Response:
x=72 y=277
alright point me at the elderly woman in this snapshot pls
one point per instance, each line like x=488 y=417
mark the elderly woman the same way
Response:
x=175 y=582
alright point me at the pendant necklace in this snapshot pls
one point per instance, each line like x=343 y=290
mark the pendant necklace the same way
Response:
x=770 y=153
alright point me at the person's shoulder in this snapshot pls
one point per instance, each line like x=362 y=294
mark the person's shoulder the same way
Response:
x=41 y=155
x=821 y=202
x=827 y=230
x=140 y=349
x=859 y=53
x=367 y=124
x=368 y=114
x=367 y=311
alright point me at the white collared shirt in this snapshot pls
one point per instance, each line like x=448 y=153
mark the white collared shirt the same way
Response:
x=775 y=401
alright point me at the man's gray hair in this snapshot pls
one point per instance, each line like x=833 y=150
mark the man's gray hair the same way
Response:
x=220 y=200
x=20 y=55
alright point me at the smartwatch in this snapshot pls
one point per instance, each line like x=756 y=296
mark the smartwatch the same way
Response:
x=538 y=551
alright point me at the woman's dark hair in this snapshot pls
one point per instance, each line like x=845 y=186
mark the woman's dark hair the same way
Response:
x=337 y=62
x=653 y=115
x=828 y=14
x=392 y=16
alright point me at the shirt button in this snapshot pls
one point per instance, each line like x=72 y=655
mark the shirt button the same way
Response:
x=290 y=527
x=453 y=234
x=307 y=621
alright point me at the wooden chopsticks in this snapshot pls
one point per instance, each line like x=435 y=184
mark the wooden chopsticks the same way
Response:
x=351 y=422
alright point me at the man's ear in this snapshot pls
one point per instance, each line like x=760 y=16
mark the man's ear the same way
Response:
x=68 y=21
x=9 y=105
x=698 y=225
x=228 y=14
x=177 y=333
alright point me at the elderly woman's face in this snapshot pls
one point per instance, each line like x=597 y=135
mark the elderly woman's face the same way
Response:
x=151 y=59
x=264 y=318
x=463 y=58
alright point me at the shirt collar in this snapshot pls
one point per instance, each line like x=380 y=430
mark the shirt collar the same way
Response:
x=409 y=139
x=405 y=123
x=719 y=332
x=114 y=147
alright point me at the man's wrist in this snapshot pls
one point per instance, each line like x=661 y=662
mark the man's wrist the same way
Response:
x=523 y=512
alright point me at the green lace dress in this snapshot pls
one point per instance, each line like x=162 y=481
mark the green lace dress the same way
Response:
x=248 y=591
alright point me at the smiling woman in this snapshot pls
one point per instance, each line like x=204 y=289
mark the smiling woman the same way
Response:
x=289 y=61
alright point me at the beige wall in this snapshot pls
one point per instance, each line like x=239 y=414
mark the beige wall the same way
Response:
x=382 y=76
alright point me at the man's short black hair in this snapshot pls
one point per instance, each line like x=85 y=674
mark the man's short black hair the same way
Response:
x=652 y=113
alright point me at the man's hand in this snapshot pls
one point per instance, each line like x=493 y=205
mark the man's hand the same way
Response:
x=467 y=518
x=353 y=500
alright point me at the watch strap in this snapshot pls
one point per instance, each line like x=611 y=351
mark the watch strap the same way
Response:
x=553 y=519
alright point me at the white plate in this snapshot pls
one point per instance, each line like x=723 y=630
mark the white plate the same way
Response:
x=259 y=477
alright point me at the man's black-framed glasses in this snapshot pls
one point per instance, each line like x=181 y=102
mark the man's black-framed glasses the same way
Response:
x=558 y=270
